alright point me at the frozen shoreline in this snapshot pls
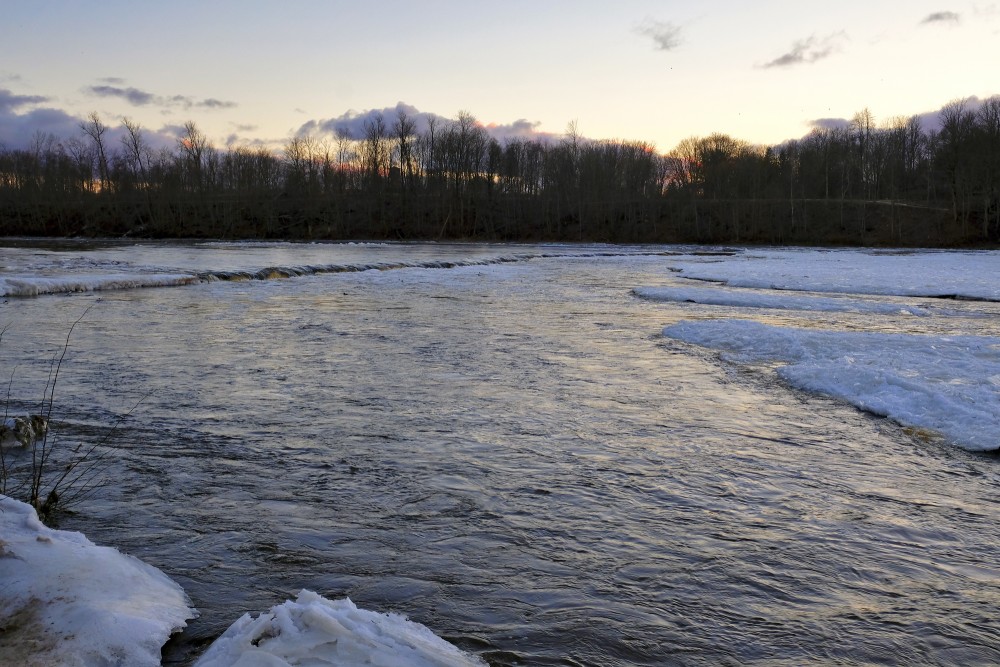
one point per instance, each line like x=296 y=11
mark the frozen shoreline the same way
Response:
x=67 y=601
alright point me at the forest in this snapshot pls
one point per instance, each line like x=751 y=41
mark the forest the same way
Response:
x=859 y=183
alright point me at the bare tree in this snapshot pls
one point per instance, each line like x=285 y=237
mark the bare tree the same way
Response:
x=95 y=128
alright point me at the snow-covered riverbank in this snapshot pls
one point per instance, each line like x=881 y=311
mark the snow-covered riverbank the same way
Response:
x=67 y=601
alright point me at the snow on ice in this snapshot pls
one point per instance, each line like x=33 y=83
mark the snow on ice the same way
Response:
x=66 y=601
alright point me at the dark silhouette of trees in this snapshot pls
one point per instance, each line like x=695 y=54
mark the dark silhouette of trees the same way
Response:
x=857 y=183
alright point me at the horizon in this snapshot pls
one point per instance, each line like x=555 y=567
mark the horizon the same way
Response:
x=639 y=71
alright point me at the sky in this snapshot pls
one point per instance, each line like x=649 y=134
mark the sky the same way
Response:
x=253 y=72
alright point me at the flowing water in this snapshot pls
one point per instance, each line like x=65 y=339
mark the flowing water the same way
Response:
x=513 y=455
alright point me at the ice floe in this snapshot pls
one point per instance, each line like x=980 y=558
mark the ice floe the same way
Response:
x=949 y=384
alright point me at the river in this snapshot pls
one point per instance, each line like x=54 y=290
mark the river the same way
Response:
x=510 y=453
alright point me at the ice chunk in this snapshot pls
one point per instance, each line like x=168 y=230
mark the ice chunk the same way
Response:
x=66 y=601
x=313 y=630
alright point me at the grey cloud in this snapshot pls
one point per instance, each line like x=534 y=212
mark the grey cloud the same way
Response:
x=131 y=95
x=10 y=100
x=112 y=80
x=140 y=98
x=17 y=130
x=212 y=103
x=664 y=34
x=808 y=50
x=941 y=17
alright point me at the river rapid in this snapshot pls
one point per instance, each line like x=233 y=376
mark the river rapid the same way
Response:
x=511 y=454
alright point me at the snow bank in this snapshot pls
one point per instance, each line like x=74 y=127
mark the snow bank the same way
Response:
x=749 y=299
x=947 y=384
x=313 y=630
x=969 y=275
x=66 y=601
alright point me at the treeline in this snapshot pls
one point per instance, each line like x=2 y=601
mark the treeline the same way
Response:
x=859 y=183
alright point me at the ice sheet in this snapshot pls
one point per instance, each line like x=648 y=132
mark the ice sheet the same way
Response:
x=66 y=601
x=946 y=384
x=970 y=274
x=717 y=296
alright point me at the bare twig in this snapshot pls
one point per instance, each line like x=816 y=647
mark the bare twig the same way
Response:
x=39 y=460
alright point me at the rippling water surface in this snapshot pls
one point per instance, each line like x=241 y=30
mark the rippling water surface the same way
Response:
x=514 y=456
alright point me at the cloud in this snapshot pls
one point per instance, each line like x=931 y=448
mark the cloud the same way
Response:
x=930 y=121
x=113 y=80
x=521 y=128
x=664 y=34
x=212 y=103
x=131 y=95
x=942 y=17
x=352 y=124
x=809 y=50
x=18 y=129
x=139 y=98
x=11 y=101
x=829 y=123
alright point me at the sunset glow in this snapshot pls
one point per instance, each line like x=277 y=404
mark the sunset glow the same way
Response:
x=640 y=70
